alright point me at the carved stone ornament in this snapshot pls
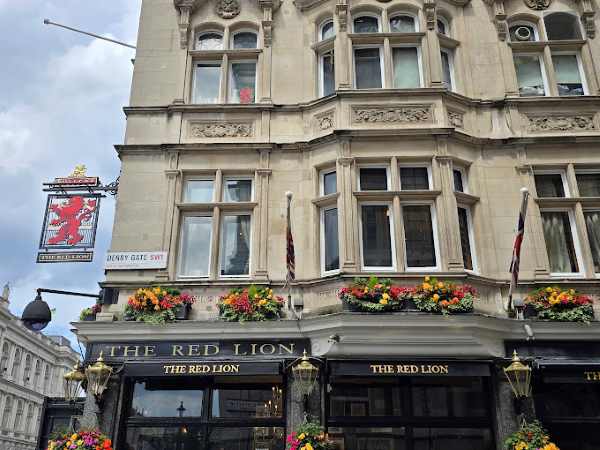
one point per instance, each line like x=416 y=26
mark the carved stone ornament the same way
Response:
x=455 y=119
x=324 y=121
x=538 y=5
x=220 y=130
x=397 y=114
x=561 y=123
x=228 y=9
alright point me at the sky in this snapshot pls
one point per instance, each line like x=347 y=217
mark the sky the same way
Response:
x=61 y=100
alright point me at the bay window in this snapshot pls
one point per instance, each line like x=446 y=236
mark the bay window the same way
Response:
x=592 y=224
x=368 y=67
x=447 y=68
x=588 y=183
x=328 y=182
x=466 y=241
x=419 y=237
x=459 y=179
x=560 y=243
x=415 y=178
x=330 y=249
x=407 y=72
x=377 y=237
x=530 y=77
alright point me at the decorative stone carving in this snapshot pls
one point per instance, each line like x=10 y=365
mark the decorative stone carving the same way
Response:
x=220 y=130
x=561 y=123
x=184 y=7
x=227 y=9
x=392 y=114
x=538 y=5
x=325 y=121
x=430 y=14
x=455 y=118
x=341 y=10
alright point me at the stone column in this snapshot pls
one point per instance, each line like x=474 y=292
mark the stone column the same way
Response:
x=448 y=216
x=347 y=216
x=505 y=414
x=173 y=190
x=341 y=47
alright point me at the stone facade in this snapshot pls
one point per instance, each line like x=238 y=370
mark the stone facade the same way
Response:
x=31 y=368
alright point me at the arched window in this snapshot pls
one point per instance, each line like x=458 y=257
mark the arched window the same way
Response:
x=365 y=24
x=562 y=26
x=523 y=32
x=443 y=26
x=244 y=39
x=8 y=406
x=19 y=416
x=403 y=23
x=326 y=30
x=27 y=371
x=211 y=40
x=27 y=429
x=16 y=364
x=38 y=373
x=46 y=377
x=4 y=358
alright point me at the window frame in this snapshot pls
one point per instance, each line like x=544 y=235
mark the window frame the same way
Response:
x=367 y=14
x=381 y=63
x=196 y=63
x=580 y=67
x=208 y=275
x=576 y=244
x=419 y=63
x=243 y=30
x=415 y=18
x=446 y=24
x=576 y=18
x=210 y=31
x=434 y=227
x=234 y=177
x=472 y=244
x=198 y=178
x=322 y=211
x=585 y=172
x=375 y=166
x=450 y=54
x=322 y=174
x=230 y=79
x=321 y=78
x=393 y=246
x=321 y=26
x=590 y=209
x=525 y=23
x=416 y=166
x=563 y=177
x=463 y=175
x=545 y=81
x=250 y=242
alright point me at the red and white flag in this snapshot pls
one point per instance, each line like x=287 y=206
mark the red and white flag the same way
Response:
x=516 y=256
x=290 y=252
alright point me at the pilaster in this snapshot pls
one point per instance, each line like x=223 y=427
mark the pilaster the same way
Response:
x=262 y=215
x=347 y=217
x=447 y=212
x=341 y=47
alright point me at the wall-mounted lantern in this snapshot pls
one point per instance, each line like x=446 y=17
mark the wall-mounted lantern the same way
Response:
x=98 y=375
x=519 y=377
x=73 y=381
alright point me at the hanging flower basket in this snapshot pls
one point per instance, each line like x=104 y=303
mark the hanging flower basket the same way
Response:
x=374 y=295
x=250 y=304
x=444 y=297
x=185 y=307
x=531 y=436
x=156 y=305
x=81 y=440
x=89 y=314
x=309 y=436
x=562 y=305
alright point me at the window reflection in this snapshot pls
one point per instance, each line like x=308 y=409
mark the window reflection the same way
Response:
x=230 y=403
x=165 y=438
x=166 y=403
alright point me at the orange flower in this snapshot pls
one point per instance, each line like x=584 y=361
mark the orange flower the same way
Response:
x=444 y=303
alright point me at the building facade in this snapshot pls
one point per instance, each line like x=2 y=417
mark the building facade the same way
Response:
x=405 y=131
x=32 y=366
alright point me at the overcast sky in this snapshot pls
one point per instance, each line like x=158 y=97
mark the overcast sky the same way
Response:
x=61 y=99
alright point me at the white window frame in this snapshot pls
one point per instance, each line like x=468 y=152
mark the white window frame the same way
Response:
x=542 y=70
x=585 y=172
x=450 y=55
x=571 y=13
x=244 y=30
x=322 y=25
x=446 y=24
x=576 y=244
x=230 y=214
x=375 y=166
x=227 y=178
x=472 y=244
x=419 y=62
x=579 y=67
x=523 y=23
x=320 y=68
x=230 y=80
x=180 y=275
x=195 y=80
x=591 y=210
x=416 y=166
x=436 y=243
x=381 y=64
x=563 y=177
x=322 y=174
x=393 y=267
x=463 y=176
x=322 y=240
x=366 y=14
x=198 y=178
x=407 y=14
x=210 y=31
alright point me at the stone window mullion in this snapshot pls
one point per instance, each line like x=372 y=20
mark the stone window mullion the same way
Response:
x=549 y=69
x=224 y=87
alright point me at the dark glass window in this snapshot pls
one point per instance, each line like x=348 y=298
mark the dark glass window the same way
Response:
x=231 y=403
x=373 y=179
x=367 y=68
x=246 y=438
x=452 y=439
x=418 y=234
x=549 y=185
x=237 y=191
x=559 y=242
x=148 y=401
x=365 y=400
x=562 y=26
x=329 y=183
x=589 y=184
x=181 y=437
x=592 y=223
x=366 y=24
x=376 y=236
x=414 y=178
x=330 y=238
x=244 y=40
x=328 y=74
x=458 y=181
x=465 y=238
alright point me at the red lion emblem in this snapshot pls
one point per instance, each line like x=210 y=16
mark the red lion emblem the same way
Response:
x=70 y=216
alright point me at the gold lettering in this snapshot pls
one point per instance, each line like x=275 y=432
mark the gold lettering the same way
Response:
x=235 y=368
x=168 y=369
x=127 y=349
x=253 y=346
x=592 y=376
x=375 y=368
x=414 y=369
x=192 y=369
x=177 y=350
x=271 y=348
x=445 y=370
x=289 y=350
x=149 y=350
x=194 y=350
x=237 y=350
x=214 y=347
x=112 y=350
x=180 y=369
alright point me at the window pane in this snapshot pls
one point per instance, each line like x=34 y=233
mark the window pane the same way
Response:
x=559 y=242
x=465 y=238
x=329 y=183
x=589 y=184
x=522 y=33
x=373 y=179
x=332 y=249
x=414 y=178
x=199 y=191
x=549 y=185
x=453 y=439
x=242 y=82
x=458 y=181
x=195 y=246
x=207 y=82
x=237 y=191
x=258 y=438
x=418 y=232
x=362 y=400
x=406 y=68
x=165 y=438
x=244 y=40
x=366 y=24
x=377 y=243
x=256 y=402
x=592 y=222
x=367 y=68
x=371 y=438
x=328 y=74
x=210 y=41
x=402 y=24
x=446 y=69
x=327 y=30
x=235 y=245
x=529 y=76
x=568 y=78
x=441 y=27
x=561 y=26
x=147 y=402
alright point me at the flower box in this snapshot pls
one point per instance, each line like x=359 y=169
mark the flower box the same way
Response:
x=183 y=312
x=250 y=304
x=157 y=305
x=374 y=296
x=89 y=314
x=531 y=436
x=554 y=303
x=444 y=297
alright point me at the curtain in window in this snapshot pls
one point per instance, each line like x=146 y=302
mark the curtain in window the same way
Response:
x=235 y=245
x=446 y=69
x=465 y=238
x=592 y=222
x=589 y=184
x=242 y=82
x=328 y=75
x=406 y=68
x=568 y=78
x=332 y=249
x=237 y=191
x=367 y=68
x=195 y=246
x=207 y=83
x=377 y=242
x=402 y=24
x=529 y=75
x=418 y=232
x=559 y=242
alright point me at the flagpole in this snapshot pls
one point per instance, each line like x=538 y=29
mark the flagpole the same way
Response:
x=516 y=257
x=290 y=275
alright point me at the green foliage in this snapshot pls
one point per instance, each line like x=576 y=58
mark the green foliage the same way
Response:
x=374 y=295
x=531 y=436
x=250 y=304
x=310 y=433
x=583 y=314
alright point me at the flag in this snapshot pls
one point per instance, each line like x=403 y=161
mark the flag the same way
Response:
x=290 y=253
x=516 y=256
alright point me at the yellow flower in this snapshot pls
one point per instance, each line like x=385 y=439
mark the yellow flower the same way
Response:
x=521 y=446
x=427 y=286
x=436 y=297
x=385 y=296
x=80 y=442
x=301 y=436
x=366 y=290
x=308 y=446
x=263 y=302
x=383 y=301
x=156 y=291
x=427 y=278
x=256 y=296
x=74 y=436
x=550 y=446
x=69 y=443
x=270 y=296
x=440 y=285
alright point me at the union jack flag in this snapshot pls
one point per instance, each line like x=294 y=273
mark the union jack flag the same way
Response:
x=516 y=256
x=290 y=252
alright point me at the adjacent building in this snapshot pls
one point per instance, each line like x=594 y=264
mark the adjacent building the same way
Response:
x=405 y=130
x=32 y=366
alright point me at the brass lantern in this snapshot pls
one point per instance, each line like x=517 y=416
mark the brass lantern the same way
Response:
x=305 y=375
x=73 y=380
x=98 y=375
x=519 y=377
